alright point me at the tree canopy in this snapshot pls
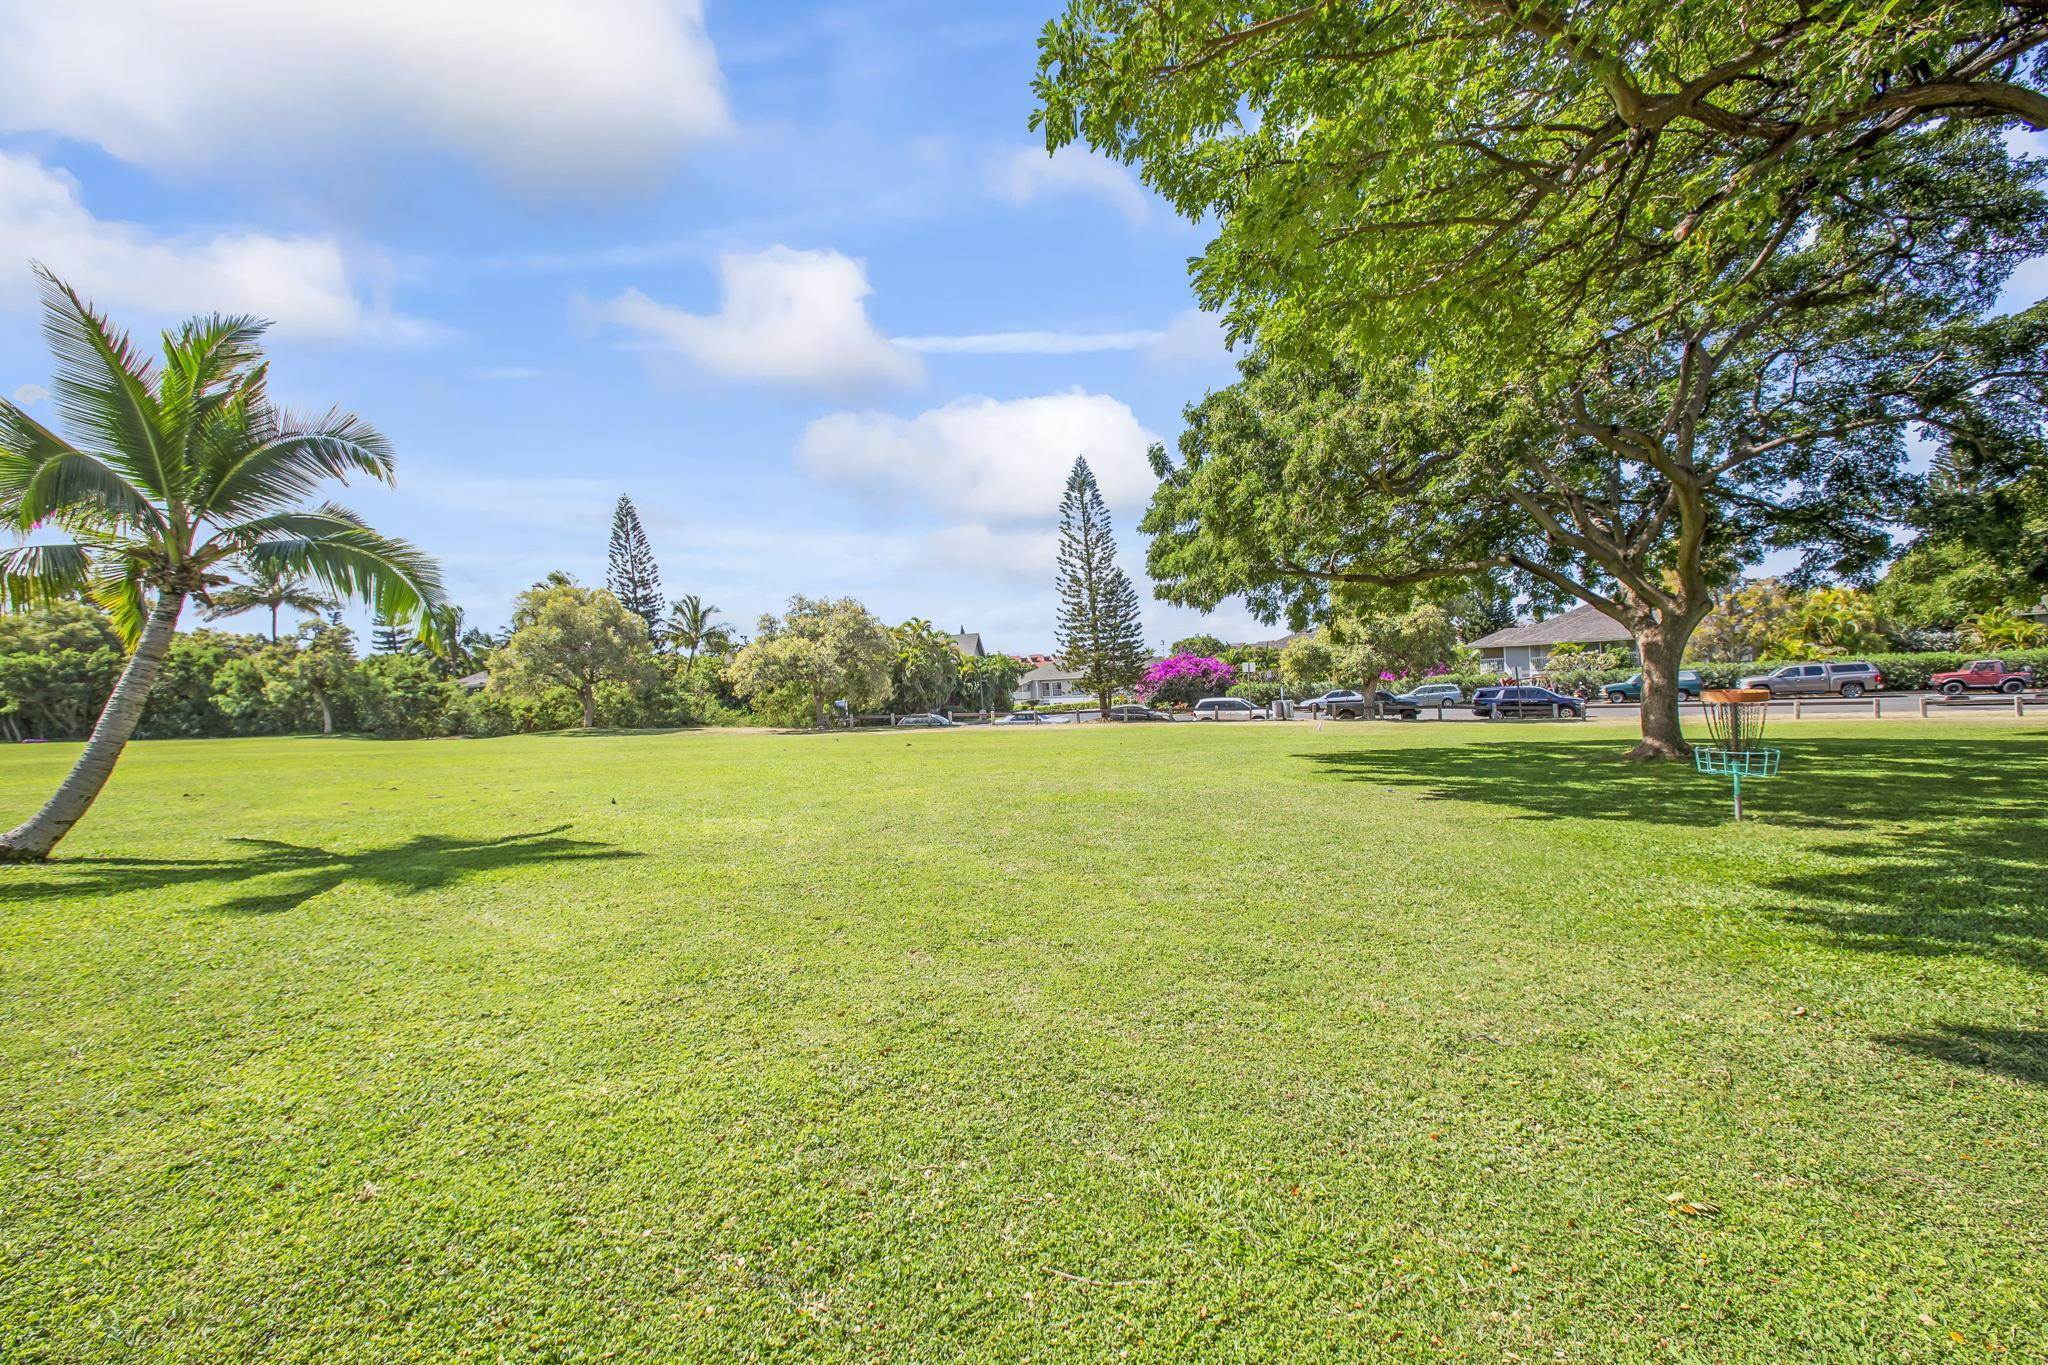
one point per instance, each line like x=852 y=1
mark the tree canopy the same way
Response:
x=818 y=652
x=574 y=637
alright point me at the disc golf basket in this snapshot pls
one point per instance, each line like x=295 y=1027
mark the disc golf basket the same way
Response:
x=1735 y=720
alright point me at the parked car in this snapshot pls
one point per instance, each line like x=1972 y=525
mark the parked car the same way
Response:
x=1227 y=708
x=1022 y=718
x=1342 y=704
x=1501 y=703
x=1689 y=687
x=1406 y=705
x=1440 y=693
x=1983 y=675
x=924 y=720
x=1849 y=679
x=1129 y=712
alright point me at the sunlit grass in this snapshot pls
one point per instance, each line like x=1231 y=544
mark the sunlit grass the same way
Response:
x=1197 y=1042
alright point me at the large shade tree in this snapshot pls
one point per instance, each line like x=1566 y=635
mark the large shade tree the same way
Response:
x=1611 y=299
x=169 y=471
x=818 y=653
x=565 y=635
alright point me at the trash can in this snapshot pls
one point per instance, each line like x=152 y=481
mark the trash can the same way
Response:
x=1281 y=709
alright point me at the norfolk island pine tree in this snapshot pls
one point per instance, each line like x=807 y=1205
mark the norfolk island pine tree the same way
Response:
x=177 y=469
x=1100 y=632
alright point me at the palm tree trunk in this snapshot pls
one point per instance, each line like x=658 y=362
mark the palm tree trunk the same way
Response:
x=273 y=621
x=32 y=840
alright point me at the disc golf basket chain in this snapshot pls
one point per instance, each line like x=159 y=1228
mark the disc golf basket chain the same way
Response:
x=1735 y=720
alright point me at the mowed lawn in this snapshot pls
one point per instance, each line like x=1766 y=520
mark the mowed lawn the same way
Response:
x=1191 y=1042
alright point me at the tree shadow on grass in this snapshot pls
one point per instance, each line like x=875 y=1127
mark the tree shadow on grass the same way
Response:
x=277 y=876
x=1943 y=845
x=2020 y=1053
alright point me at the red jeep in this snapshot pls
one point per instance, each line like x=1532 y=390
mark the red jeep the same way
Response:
x=1983 y=675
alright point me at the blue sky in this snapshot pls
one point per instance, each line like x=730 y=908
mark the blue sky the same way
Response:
x=796 y=277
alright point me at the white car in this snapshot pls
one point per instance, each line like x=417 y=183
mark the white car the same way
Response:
x=1227 y=708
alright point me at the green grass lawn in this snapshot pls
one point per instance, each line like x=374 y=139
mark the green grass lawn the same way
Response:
x=1192 y=1042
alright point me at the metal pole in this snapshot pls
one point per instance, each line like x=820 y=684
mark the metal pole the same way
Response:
x=1737 y=777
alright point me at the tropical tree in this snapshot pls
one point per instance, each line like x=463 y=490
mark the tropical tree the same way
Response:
x=270 y=586
x=1838 y=621
x=925 y=667
x=574 y=637
x=171 y=471
x=693 y=627
x=2000 y=628
x=1368 y=650
x=817 y=653
x=1206 y=645
x=1749 y=621
x=324 y=665
x=1614 y=300
x=631 y=573
x=990 y=679
x=1101 y=634
x=1182 y=679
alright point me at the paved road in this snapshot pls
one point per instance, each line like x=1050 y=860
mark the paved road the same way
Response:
x=1892 y=706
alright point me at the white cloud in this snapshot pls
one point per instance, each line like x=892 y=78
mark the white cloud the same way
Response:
x=306 y=285
x=979 y=548
x=986 y=459
x=541 y=91
x=1028 y=173
x=1031 y=343
x=28 y=395
x=787 y=317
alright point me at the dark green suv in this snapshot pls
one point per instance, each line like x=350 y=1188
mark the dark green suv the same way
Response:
x=1689 y=686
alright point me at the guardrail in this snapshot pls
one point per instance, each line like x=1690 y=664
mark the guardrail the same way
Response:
x=2017 y=700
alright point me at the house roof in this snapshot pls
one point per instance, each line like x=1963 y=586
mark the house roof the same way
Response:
x=1048 y=673
x=1579 y=626
x=969 y=643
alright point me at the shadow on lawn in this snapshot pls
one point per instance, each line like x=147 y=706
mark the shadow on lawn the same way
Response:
x=277 y=876
x=1971 y=877
x=2021 y=1053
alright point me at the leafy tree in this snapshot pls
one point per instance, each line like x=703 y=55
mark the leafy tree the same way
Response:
x=1100 y=631
x=1206 y=645
x=270 y=586
x=57 y=665
x=1835 y=621
x=925 y=668
x=2000 y=628
x=1368 y=650
x=1938 y=585
x=693 y=626
x=324 y=666
x=818 y=652
x=631 y=574
x=1615 y=302
x=989 y=681
x=1748 y=622
x=177 y=470
x=574 y=637
x=1306 y=661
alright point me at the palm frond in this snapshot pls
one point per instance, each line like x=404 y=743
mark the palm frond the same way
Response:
x=283 y=461
x=104 y=387
x=36 y=575
x=205 y=363
x=334 y=547
x=43 y=479
x=116 y=587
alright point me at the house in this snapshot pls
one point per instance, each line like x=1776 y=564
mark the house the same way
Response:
x=1523 y=651
x=1050 y=682
x=2037 y=612
x=1031 y=661
x=969 y=644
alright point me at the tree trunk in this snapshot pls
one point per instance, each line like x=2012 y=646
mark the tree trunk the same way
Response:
x=273 y=621
x=326 y=711
x=32 y=840
x=1663 y=647
x=589 y=707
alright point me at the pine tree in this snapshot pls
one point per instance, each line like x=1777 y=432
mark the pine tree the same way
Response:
x=388 y=635
x=1101 y=635
x=632 y=575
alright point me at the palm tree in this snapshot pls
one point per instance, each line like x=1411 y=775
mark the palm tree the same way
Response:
x=690 y=624
x=270 y=585
x=177 y=470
